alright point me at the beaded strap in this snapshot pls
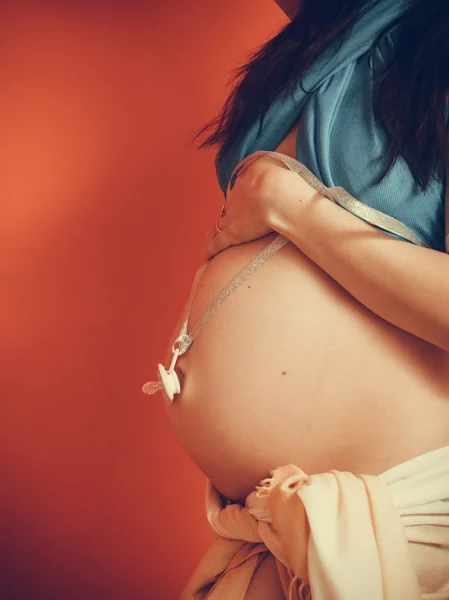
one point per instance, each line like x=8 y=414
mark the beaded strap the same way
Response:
x=185 y=339
x=338 y=195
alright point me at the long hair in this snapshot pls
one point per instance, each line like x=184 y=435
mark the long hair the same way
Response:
x=410 y=100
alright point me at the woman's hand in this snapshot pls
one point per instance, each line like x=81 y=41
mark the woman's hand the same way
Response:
x=248 y=205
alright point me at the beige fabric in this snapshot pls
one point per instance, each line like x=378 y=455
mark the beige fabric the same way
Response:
x=341 y=536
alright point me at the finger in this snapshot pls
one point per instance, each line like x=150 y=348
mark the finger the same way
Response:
x=217 y=244
x=211 y=233
x=221 y=222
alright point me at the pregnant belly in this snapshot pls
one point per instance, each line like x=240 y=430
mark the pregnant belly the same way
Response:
x=292 y=369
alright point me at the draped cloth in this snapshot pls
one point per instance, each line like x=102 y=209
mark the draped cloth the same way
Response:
x=334 y=535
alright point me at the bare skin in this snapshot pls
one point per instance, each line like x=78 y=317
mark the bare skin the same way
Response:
x=292 y=368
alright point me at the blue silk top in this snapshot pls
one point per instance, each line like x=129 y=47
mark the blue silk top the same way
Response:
x=339 y=140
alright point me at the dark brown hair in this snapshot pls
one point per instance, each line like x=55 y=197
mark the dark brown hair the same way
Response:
x=410 y=100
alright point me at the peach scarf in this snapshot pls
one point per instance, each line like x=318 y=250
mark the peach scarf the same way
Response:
x=335 y=535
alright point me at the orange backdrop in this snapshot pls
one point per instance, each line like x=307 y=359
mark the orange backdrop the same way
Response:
x=104 y=206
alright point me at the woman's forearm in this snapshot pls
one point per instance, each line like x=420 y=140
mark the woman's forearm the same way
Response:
x=405 y=284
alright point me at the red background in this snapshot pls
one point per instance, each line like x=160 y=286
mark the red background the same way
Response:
x=103 y=212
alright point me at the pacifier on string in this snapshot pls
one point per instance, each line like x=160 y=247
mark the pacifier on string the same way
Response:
x=169 y=380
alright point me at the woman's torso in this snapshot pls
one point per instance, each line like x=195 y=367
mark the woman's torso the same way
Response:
x=292 y=369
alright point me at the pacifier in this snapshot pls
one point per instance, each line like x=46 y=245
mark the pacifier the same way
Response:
x=168 y=380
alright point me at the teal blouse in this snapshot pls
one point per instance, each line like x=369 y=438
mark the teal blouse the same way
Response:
x=339 y=139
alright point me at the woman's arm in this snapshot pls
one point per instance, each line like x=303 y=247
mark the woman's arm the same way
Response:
x=404 y=284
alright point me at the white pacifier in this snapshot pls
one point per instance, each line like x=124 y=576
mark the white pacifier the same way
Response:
x=168 y=380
